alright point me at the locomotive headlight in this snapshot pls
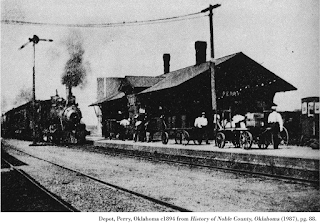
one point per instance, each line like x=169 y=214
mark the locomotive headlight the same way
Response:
x=72 y=115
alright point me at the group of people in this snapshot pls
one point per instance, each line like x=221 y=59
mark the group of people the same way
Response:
x=275 y=122
x=140 y=123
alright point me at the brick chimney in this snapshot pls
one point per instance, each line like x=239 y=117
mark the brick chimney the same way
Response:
x=201 y=52
x=166 y=63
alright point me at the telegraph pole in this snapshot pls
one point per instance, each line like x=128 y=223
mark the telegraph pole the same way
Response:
x=212 y=64
x=210 y=9
x=35 y=39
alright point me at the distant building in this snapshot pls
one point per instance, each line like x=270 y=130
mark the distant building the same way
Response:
x=233 y=83
x=119 y=94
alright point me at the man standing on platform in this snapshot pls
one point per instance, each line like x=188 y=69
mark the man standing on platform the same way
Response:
x=201 y=124
x=276 y=123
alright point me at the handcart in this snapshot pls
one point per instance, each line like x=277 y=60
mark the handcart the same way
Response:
x=184 y=135
x=152 y=130
x=255 y=131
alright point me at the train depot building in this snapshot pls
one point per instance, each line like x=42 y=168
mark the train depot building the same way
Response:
x=234 y=84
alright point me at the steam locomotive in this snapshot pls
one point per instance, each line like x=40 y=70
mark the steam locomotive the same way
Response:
x=56 y=120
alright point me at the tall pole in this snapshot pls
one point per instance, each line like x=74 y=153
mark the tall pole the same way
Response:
x=211 y=32
x=212 y=64
x=210 y=9
x=34 y=132
x=35 y=39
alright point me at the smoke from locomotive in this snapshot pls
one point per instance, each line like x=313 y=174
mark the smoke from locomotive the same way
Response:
x=75 y=71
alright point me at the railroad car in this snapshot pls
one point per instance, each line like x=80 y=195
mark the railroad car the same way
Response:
x=56 y=120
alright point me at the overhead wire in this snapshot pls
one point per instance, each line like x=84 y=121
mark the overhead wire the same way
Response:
x=103 y=25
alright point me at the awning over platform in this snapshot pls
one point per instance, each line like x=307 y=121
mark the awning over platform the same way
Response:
x=234 y=72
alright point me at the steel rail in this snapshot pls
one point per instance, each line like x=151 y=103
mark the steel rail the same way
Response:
x=43 y=189
x=277 y=177
x=154 y=200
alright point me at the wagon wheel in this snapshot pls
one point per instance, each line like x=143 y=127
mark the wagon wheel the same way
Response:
x=284 y=137
x=185 y=138
x=182 y=137
x=220 y=139
x=246 y=140
x=164 y=137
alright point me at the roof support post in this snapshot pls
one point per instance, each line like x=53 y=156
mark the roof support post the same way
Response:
x=213 y=85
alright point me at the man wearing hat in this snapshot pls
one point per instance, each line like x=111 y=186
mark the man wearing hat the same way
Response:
x=201 y=124
x=276 y=123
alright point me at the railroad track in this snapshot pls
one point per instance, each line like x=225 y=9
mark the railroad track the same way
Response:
x=61 y=203
x=146 y=197
x=157 y=158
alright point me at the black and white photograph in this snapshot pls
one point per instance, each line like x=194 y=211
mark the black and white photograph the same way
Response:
x=136 y=111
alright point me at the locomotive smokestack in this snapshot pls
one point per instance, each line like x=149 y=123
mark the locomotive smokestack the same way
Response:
x=68 y=91
x=166 y=63
x=71 y=99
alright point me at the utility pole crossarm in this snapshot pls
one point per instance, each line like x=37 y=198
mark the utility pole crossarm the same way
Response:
x=210 y=9
x=46 y=40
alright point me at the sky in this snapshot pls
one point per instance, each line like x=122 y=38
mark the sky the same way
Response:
x=281 y=35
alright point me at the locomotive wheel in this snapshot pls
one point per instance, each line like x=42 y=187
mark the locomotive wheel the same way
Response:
x=72 y=138
x=54 y=134
x=220 y=139
x=246 y=140
x=164 y=137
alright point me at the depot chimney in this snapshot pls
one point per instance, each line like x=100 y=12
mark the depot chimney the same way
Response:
x=201 y=52
x=166 y=63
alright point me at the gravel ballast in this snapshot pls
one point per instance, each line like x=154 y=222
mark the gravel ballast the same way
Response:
x=197 y=189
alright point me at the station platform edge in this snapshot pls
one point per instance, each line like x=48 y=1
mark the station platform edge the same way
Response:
x=288 y=161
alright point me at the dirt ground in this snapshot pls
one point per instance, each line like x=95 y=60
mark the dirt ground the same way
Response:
x=196 y=189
